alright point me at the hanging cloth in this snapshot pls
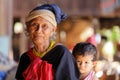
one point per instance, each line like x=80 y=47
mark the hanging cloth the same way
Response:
x=38 y=69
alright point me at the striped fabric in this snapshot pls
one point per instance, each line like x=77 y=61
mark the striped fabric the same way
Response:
x=90 y=76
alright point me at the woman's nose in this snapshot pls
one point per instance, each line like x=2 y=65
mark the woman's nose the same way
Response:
x=39 y=28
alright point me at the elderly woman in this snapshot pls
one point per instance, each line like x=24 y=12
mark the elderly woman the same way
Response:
x=47 y=60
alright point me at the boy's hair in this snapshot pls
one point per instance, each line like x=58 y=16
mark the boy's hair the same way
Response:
x=84 y=48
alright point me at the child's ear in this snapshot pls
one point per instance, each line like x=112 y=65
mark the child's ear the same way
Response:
x=95 y=63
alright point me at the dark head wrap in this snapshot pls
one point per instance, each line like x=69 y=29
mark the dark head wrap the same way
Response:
x=53 y=8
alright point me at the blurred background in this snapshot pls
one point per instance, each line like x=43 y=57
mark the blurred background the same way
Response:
x=95 y=21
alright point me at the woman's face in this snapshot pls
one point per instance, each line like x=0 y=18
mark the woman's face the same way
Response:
x=40 y=30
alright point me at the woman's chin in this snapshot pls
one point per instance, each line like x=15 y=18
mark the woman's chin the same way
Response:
x=38 y=41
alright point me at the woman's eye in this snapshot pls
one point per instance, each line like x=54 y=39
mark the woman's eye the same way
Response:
x=34 y=25
x=44 y=26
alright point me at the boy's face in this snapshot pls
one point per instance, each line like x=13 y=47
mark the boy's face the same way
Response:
x=85 y=63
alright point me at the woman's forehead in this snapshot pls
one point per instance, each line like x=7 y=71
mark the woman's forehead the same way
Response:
x=38 y=19
x=41 y=20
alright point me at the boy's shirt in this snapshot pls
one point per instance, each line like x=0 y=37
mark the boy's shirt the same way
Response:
x=91 y=76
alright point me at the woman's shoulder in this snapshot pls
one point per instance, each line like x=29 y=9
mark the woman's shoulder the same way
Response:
x=60 y=49
x=61 y=46
x=24 y=56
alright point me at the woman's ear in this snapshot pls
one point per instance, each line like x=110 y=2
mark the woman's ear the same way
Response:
x=54 y=29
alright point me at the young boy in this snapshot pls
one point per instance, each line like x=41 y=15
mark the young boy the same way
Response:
x=85 y=55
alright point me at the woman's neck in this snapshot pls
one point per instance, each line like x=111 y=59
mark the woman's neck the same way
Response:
x=42 y=47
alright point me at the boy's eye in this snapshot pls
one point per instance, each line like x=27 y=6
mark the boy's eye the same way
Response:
x=86 y=62
x=78 y=61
